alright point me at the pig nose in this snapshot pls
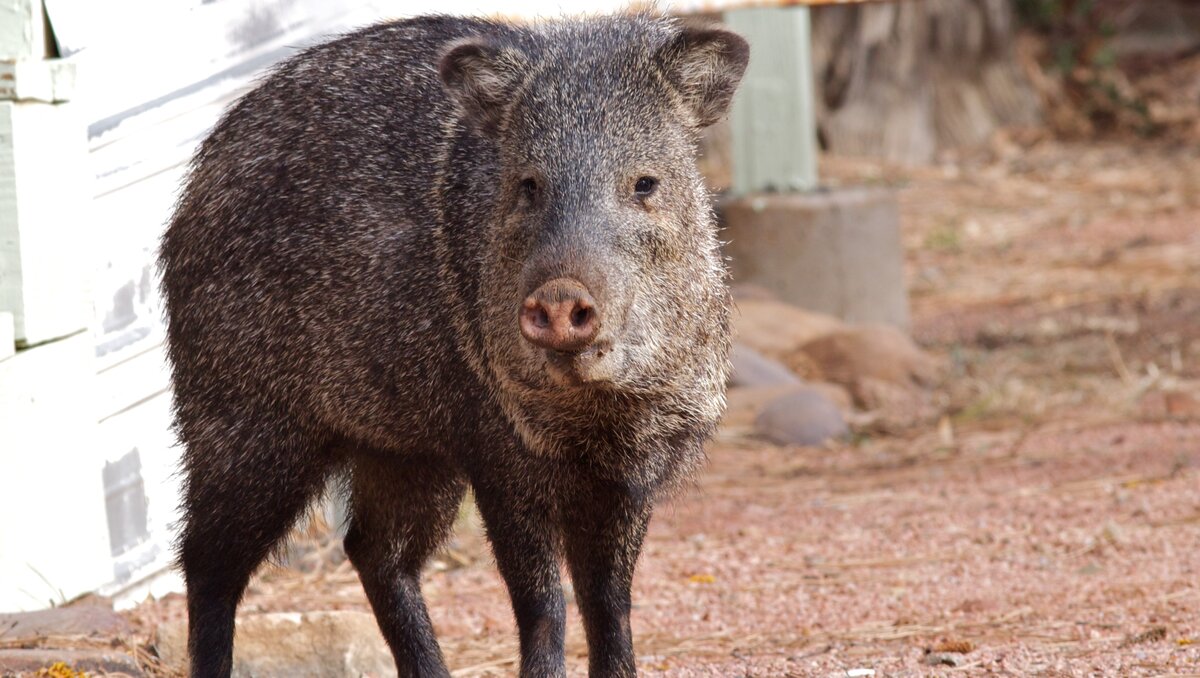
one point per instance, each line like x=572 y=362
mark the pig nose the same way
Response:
x=561 y=316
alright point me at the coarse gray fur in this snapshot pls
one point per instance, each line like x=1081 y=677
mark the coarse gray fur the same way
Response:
x=343 y=275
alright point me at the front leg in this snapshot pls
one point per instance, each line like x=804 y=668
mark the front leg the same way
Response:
x=603 y=532
x=524 y=536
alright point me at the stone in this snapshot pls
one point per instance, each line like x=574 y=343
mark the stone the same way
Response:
x=777 y=330
x=74 y=620
x=836 y=251
x=744 y=404
x=896 y=407
x=91 y=661
x=876 y=352
x=334 y=644
x=882 y=369
x=1181 y=405
x=803 y=416
x=752 y=369
x=943 y=659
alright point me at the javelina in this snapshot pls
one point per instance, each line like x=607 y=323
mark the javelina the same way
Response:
x=443 y=253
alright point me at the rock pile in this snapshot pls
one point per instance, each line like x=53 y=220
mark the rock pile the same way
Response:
x=803 y=378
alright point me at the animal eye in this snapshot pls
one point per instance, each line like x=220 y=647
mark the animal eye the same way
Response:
x=645 y=186
x=529 y=189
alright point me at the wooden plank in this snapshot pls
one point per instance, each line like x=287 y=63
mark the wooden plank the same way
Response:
x=8 y=336
x=22 y=29
x=141 y=460
x=43 y=198
x=53 y=536
x=774 y=131
x=48 y=80
x=127 y=384
x=127 y=223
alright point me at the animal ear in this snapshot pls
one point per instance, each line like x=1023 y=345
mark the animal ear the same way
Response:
x=481 y=77
x=705 y=64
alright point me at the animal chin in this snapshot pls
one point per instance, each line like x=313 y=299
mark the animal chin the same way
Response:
x=591 y=368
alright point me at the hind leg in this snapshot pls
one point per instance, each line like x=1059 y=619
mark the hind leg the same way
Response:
x=401 y=508
x=245 y=487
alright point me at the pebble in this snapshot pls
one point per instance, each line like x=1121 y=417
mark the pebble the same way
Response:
x=751 y=368
x=804 y=416
x=943 y=659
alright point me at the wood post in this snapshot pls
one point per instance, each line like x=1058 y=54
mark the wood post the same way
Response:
x=773 y=122
x=43 y=183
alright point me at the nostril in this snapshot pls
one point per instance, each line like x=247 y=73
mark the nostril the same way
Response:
x=560 y=315
x=580 y=316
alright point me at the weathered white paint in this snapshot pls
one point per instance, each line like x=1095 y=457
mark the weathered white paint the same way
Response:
x=125 y=385
x=48 y=80
x=22 y=29
x=143 y=503
x=8 y=335
x=43 y=195
x=773 y=123
x=53 y=534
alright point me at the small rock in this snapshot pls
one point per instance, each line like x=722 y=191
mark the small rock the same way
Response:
x=884 y=371
x=744 y=404
x=337 y=644
x=877 y=352
x=74 y=620
x=1182 y=405
x=752 y=369
x=103 y=662
x=803 y=416
x=1154 y=634
x=776 y=329
x=1113 y=533
x=956 y=646
x=896 y=407
x=943 y=659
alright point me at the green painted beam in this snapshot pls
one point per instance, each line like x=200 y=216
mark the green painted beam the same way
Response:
x=773 y=124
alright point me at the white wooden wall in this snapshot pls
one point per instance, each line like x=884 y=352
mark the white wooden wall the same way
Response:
x=53 y=534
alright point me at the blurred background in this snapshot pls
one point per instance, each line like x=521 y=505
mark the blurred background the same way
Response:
x=964 y=426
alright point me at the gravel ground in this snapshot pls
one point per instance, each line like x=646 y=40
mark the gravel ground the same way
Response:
x=1050 y=551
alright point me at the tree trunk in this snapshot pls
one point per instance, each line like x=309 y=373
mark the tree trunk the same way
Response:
x=904 y=80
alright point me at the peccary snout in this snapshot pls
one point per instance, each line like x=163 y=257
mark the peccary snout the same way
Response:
x=560 y=316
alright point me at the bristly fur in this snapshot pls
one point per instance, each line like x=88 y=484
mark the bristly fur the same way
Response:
x=342 y=277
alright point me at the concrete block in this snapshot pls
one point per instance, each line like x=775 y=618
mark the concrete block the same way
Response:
x=837 y=251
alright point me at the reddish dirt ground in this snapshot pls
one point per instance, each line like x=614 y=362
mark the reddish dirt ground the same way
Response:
x=1048 y=524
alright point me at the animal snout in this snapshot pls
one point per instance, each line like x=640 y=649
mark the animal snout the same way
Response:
x=561 y=315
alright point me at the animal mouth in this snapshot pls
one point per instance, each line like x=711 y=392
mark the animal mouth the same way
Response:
x=591 y=367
